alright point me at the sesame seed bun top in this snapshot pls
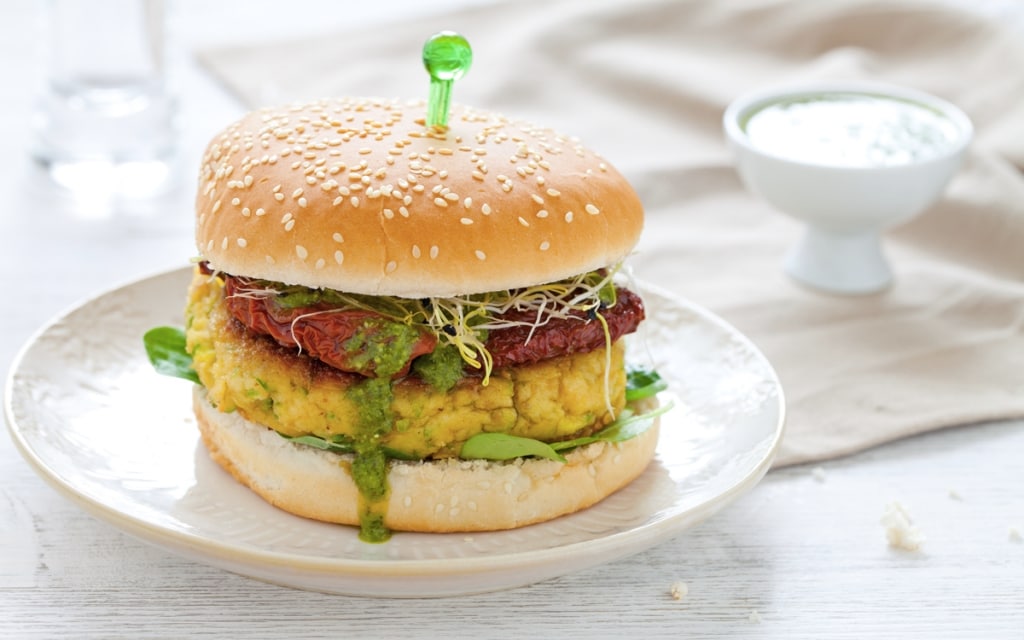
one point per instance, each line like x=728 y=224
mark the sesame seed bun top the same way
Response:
x=360 y=195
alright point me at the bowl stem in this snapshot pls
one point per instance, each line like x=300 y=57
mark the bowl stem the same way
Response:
x=845 y=263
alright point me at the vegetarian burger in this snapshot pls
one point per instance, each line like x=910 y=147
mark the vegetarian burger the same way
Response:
x=414 y=328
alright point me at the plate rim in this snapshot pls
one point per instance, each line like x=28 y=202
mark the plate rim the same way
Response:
x=604 y=547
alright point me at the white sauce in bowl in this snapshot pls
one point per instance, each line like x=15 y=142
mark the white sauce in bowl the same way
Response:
x=851 y=130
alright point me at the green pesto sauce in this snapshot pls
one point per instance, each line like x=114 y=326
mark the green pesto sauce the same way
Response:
x=373 y=396
x=440 y=369
x=370 y=472
x=382 y=346
x=293 y=297
x=388 y=346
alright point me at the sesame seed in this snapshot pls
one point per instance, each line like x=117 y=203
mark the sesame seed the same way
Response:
x=236 y=201
x=261 y=212
x=390 y=266
x=297 y=192
x=337 y=237
x=451 y=197
x=568 y=216
x=480 y=255
x=468 y=202
x=433 y=251
x=224 y=243
x=355 y=201
x=242 y=242
x=365 y=150
x=485 y=209
x=248 y=181
x=592 y=210
x=339 y=257
x=288 y=226
x=216 y=206
x=269 y=259
x=544 y=246
x=286 y=217
x=389 y=214
x=466 y=220
x=337 y=201
x=302 y=202
x=477 y=175
x=245 y=212
x=310 y=179
x=441 y=202
x=320 y=263
x=523 y=221
x=543 y=213
x=416 y=251
x=279 y=197
x=301 y=252
x=554 y=193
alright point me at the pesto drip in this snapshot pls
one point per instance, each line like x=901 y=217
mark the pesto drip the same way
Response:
x=374 y=396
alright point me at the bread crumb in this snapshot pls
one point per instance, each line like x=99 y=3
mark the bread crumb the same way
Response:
x=678 y=590
x=1015 y=535
x=900 y=530
x=818 y=473
x=754 y=616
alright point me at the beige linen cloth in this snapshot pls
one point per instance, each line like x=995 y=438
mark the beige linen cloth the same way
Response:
x=645 y=83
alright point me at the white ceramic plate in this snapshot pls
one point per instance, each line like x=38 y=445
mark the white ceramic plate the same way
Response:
x=86 y=410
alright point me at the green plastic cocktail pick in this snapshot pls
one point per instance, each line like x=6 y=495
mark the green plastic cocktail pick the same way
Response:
x=447 y=57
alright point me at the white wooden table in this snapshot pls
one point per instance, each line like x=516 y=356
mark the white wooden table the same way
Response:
x=802 y=555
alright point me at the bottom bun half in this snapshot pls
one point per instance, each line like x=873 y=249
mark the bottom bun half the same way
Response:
x=444 y=495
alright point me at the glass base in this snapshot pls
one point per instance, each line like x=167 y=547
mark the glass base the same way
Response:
x=104 y=178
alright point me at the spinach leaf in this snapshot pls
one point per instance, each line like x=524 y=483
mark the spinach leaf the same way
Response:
x=342 y=445
x=643 y=383
x=320 y=443
x=165 y=347
x=501 y=446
